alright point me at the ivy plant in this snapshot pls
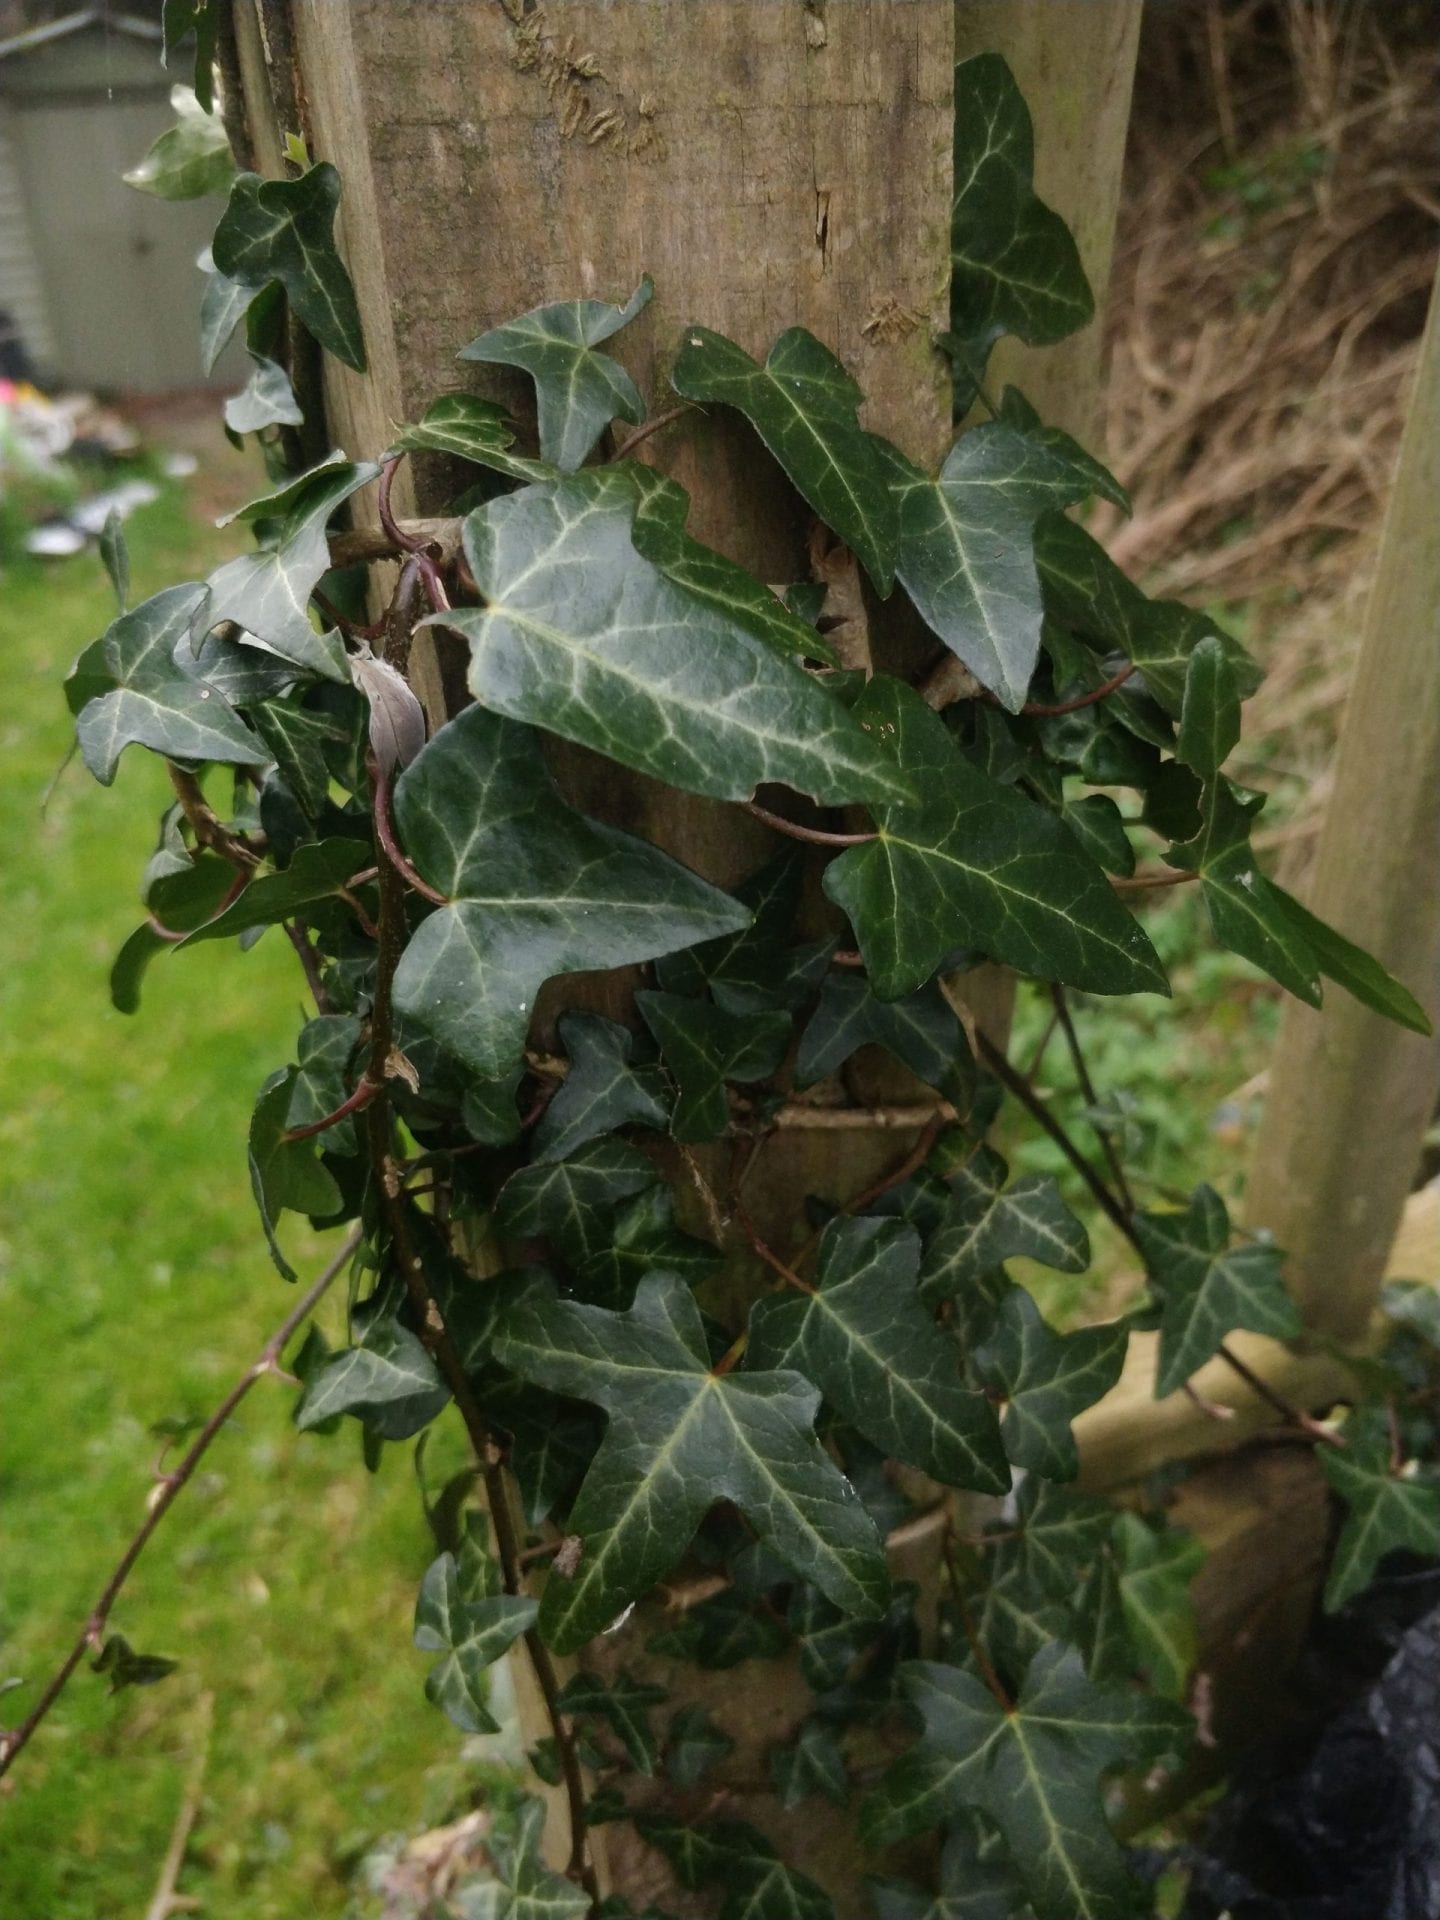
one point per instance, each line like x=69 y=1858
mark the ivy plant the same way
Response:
x=549 y=1233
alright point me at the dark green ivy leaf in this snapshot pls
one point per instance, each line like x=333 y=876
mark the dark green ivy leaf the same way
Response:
x=966 y=553
x=1209 y=710
x=1016 y=411
x=179 y=899
x=578 y=391
x=526 y=1889
x=693 y=1746
x=641 y=1236
x=317 y=873
x=285 y=230
x=1351 y=967
x=154 y=697
x=922 y=1031
x=115 y=557
x=1156 y=1570
x=603 y=1090
x=467 y=428
x=582 y=635
x=1388 y=1505
x=704 y=1047
x=680 y=1438
x=811 y=1763
x=624 y=1705
x=1059 y=1537
x=534 y=889
x=1035 y=1771
x=986 y=1222
x=326 y=1054
x=879 y=1358
x=1014 y=267
x=297 y=737
x=285 y=1173
x=1099 y=826
x=744 y=971
x=459 y=1614
x=179 y=19
x=388 y=1381
x=803 y=404
x=718 y=1633
x=769 y=1890
x=572 y=1201
x=1207 y=1288
x=1047 y=1378
x=701 y=1853
x=127 y=1668
x=976 y=865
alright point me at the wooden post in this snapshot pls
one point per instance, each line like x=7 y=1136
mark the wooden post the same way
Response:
x=1351 y=1094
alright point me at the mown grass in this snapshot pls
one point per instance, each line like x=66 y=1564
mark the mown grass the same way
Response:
x=133 y=1287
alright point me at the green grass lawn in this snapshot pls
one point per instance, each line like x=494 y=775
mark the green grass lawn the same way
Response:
x=134 y=1286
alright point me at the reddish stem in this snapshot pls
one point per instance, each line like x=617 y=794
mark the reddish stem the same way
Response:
x=385 y=832
x=1044 y=710
x=365 y=1092
x=766 y=1253
x=813 y=836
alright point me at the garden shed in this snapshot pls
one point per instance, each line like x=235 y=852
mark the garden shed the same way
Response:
x=98 y=282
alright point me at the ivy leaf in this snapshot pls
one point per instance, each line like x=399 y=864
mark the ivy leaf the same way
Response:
x=325 y=1054
x=525 y=1888
x=966 y=553
x=1387 y=1507
x=703 y=1047
x=1089 y=595
x=1207 y=1288
x=811 y=1763
x=603 y=1090
x=1014 y=1623
x=268 y=593
x=721 y=1632
x=285 y=230
x=179 y=19
x=584 y=636
x=803 y=404
x=1098 y=824
x=266 y=400
x=624 y=1705
x=679 y=1438
x=976 y=865
x=922 y=1031
x=732 y=593
x=223 y=305
x=465 y=427
x=879 y=1358
x=1096 y=478
x=456 y=1616
x=1059 y=1538
x=1209 y=710
x=1034 y=1770
x=534 y=889
x=701 y=1853
x=1014 y=267
x=640 y=1237
x=975 y=1889
x=153 y=699
x=741 y=970
x=985 y=1222
x=1047 y=1379
x=190 y=159
x=179 y=900
x=693 y=1746
x=1156 y=1569
x=769 y=1890
x=127 y=1668
x=388 y=1381
x=570 y=1201
x=578 y=391
x=297 y=737
x=1099 y=1626
x=1351 y=967
x=318 y=872
x=285 y=1173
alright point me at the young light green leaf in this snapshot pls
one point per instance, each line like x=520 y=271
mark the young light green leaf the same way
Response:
x=266 y=400
x=922 y=1031
x=966 y=549
x=879 y=1358
x=704 y=1047
x=285 y=230
x=268 y=593
x=976 y=864
x=603 y=1090
x=1209 y=710
x=1207 y=1288
x=534 y=890
x=680 y=1437
x=156 y=698
x=468 y=428
x=803 y=404
x=284 y=1173
x=572 y=1202
x=472 y=1630
x=1351 y=967
x=1014 y=267
x=582 y=635
x=985 y=1222
x=1047 y=1378
x=578 y=391
x=1034 y=1770
x=1388 y=1505
x=190 y=159
x=624 y=1705
x=318 y=872
x=388 y=1381
x=1156 y=1571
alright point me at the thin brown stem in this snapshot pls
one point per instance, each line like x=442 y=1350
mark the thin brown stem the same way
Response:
x=299 y=938
x=902 y=1170
x=1152 y=877
x=364 y=1093
x=165 y=1496
x=646 y=428
x=1296 y=1416
x=1043 y=709
x=356 y=628
x=209 y=830
x=766 y=1253
x=812 y=836
x=1092 y=1099
x=389 y=845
